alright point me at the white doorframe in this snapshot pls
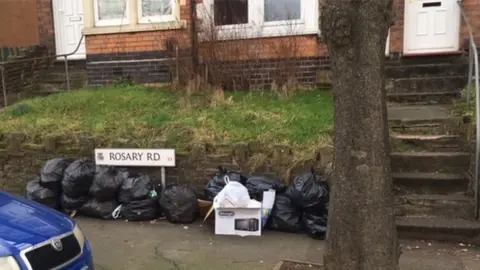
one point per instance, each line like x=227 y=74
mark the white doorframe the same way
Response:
x=455 y=24
x=58 y=21
x=387 y=45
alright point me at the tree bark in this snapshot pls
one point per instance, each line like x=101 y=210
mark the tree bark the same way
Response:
x=361 y=228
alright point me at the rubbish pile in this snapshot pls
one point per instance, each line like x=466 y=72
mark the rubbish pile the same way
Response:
x=301 y=207
x=108 y=192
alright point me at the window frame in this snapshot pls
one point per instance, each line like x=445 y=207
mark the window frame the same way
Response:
x=284 y=22
x=157 y=18
x=111 y=22
x=257 y=27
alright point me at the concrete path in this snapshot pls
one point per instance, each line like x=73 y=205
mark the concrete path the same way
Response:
x=143 y=246
x=419 y=112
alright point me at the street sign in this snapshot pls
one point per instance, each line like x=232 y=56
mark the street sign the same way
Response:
x=138 y=157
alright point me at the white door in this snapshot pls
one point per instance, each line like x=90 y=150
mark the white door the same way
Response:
x=68 y=17
x=431 y=26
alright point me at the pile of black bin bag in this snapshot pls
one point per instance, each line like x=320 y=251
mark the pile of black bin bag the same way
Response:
x=301 y=207
x=106 y=192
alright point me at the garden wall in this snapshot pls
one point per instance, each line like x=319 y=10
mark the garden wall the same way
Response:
x=21 y=160
x=22 y=73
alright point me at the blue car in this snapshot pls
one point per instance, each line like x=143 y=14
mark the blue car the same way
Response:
x=35 y=237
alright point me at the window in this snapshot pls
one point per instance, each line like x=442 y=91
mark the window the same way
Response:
x=230 y=12
x=152 y=11
x=111 y=12
x=282 y=10
x=262 y=18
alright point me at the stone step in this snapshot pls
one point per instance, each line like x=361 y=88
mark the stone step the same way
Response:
x=425 y=70
x=430 y=183
x=441 y=84
x=423 y=98
x=448 y=206
x=444 y=162
x=439 y=229
x=430 y=59
x=425 y=119
x=437 y=126
x=401 y=142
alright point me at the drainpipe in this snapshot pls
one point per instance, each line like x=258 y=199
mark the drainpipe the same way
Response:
x=193 y=36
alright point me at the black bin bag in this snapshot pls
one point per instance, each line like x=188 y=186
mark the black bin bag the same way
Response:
x=285 y=215
x=70 y=204
x=96 y=209
x=142 y=210
x=315 y=224
x=179 y=203
x=307 y=191
x=217 y=183
x=256 y=185
x=78 y=178
x=51 y=174
x=45 y=196
x=106 y=183
x=137 y=187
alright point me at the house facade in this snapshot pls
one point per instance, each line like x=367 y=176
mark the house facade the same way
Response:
x=139 y=38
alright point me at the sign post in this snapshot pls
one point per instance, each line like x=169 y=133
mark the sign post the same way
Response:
x=137 y=157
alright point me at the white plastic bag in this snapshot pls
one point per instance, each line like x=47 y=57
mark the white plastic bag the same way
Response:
x=233 y=195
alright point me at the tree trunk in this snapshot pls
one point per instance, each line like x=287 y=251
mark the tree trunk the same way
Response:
x=361 y=228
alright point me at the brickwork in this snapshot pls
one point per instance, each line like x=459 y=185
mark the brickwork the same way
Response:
x=18 y=23
x=46 y=30
x=141 y=67
x=22 y=75
x=135 y=42
x=472 y=8
x=396 y=30
x=265 y=73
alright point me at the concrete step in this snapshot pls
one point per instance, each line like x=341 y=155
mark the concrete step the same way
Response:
x=430 y=183
x=423 y=98
x=441 y=162
x=441 y=84
x=439 y=229
x=447 y=206
x=431 y=143
x=424 y=119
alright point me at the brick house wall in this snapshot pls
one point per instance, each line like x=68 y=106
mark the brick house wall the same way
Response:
x=46 y=29
x=18 y=23
x=472 y=8
x=119 y=50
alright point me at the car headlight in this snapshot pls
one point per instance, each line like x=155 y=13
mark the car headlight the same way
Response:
x=79 y=235
x=9 y=263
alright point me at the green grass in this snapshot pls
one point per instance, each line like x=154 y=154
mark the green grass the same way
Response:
x=460 y=106
x=303 y=120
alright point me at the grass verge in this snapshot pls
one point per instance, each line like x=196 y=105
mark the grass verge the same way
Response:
x=303 y=120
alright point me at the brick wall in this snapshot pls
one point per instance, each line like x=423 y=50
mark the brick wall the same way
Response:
x=141 y=67
x=22 y=74
x=472 y=8
x=46 y=29
x=20 y=161
x=18 y=23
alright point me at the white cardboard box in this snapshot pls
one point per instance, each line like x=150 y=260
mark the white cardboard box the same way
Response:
x=238 y=221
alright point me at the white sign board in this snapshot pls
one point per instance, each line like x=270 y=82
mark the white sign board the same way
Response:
x=135 y=157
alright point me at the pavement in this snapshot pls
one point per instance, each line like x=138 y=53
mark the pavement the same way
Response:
x=160 y=245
